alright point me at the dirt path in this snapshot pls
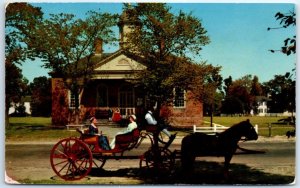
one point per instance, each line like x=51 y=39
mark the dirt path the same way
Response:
x=30 y=161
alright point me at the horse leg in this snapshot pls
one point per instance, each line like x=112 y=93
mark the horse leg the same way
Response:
x=187 y=154
x=226 y=165
x=187 y=161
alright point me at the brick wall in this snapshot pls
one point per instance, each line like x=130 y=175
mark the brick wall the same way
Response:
x=191 y=114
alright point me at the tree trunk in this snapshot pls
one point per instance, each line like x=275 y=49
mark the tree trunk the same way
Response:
x=158 y=107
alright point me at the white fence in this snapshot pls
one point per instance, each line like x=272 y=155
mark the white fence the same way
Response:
x=210 y=130
x=214 y=129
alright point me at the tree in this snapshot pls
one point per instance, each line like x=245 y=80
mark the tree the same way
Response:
x=165 y=41
x=227 y=83
x=211 y=99
x=256 y=91
x=239 y=96
x=286 y=20
x=282 y=90
x=15 y=86
x=40 y=90
x=67 y=44
x=19 y=19
x=283 y=93
x=232 y=105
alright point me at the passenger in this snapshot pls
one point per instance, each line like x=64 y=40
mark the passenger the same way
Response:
x=93 y=130
x=131 y=126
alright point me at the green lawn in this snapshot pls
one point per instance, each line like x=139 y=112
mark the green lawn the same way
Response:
x=34 y=128
x=228 y=121
x=40 y=129
x=262 y=122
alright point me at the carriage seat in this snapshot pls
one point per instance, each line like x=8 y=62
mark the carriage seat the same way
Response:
x=124 y=140
x=88 y=138
x=128 y=137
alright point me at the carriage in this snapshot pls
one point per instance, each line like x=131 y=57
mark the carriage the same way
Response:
x=73 y=158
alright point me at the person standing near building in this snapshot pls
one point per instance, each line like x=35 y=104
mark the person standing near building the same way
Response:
x=116 y=117
x=110 y=114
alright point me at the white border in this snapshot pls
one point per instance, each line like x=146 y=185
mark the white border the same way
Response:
x=2 y=67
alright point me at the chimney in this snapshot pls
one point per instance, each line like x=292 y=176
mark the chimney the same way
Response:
x=98 y=46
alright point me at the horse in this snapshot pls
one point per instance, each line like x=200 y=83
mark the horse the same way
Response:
x=222 y=144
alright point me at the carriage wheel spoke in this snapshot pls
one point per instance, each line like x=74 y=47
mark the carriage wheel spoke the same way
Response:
x=62 y=168
x=61 y=154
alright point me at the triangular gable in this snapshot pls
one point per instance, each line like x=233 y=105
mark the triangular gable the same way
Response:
x=119 y=62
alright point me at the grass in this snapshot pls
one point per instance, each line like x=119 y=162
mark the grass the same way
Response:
x=262 y=122
x=34 y=128
x=40 y=128
x=228 y=121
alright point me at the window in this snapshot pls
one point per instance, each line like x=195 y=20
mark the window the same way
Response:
x=179 y=98
x=72 y=100
x=102 y=96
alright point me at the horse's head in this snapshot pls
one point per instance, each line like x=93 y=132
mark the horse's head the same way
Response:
x=248 y=130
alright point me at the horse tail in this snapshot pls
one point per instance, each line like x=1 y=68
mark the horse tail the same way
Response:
x=187 y=154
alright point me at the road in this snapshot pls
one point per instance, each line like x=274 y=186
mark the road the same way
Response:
x=30 y=161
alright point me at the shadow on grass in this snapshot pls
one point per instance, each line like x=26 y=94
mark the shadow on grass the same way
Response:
x=205 y=173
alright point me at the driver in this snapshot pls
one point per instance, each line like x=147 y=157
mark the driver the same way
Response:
x=149 y=117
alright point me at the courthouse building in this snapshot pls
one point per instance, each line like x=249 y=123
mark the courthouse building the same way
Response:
x=110 y=88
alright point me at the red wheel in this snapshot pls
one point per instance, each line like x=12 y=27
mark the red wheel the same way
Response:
x=71 y=159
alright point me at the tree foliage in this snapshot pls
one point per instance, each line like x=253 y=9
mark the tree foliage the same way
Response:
x=283 y=87
x=282 y=90
x=40 y=90
x=167 y=42
x=15 y=85
x=227 y=84
x=287 y=20
x=241 y=94
x=256 y=87
x=66 y=45
x=20 y=18
x=62 y=41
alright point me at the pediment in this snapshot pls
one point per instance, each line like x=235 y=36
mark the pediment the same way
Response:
x=120 y=62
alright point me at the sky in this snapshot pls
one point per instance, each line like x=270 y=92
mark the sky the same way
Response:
x=240 y=41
